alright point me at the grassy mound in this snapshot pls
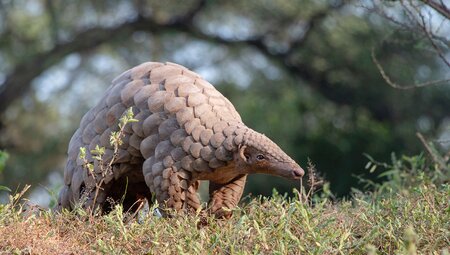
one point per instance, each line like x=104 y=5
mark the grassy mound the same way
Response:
x=407 y=214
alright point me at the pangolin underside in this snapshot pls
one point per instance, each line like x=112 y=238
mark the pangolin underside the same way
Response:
x=186 y=131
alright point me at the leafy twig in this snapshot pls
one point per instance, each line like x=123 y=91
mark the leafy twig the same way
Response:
x=105 y=169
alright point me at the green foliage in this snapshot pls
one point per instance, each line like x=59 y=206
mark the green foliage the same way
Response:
x=409 y=214
x=127 y=117
x=406 y=173
x=3 y=158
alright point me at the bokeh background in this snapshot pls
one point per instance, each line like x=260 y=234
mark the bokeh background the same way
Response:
x=302 y=72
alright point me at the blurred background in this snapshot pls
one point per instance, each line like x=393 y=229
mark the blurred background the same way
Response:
x=329 y=81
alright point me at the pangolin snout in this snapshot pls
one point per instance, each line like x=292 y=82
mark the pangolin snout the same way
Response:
x=297 y=172
x=286 y=170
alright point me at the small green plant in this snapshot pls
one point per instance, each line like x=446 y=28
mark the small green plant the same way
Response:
x=409 y=171
x=98 y=155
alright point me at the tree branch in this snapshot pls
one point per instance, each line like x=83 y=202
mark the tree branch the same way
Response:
x=423 y=26
x=18 y=82
x=398 y=86
x=416 y=24
x=189 y=16
x=439 y=7
x=313 y=21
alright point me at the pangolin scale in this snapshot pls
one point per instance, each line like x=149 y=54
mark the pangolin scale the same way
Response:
x=186 y=131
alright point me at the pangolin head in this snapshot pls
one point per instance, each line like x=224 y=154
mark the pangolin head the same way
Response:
x=258 y=154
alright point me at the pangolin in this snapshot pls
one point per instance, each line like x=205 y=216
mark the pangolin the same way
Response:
x=186 y=131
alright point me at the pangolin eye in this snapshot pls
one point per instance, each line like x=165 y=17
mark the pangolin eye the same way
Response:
x=260 y=157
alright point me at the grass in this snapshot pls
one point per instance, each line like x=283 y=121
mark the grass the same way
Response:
x=407 y=214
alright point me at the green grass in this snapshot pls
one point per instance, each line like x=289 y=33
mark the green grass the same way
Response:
x=407 y=214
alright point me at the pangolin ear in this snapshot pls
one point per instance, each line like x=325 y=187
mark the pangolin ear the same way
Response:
x=242 y=154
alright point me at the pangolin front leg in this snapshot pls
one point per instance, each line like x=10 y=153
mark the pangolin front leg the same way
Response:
x=182 y=194
x=171 y=184
x=225 y=196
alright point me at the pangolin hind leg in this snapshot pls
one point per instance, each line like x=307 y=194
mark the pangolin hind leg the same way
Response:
x=192 y=201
